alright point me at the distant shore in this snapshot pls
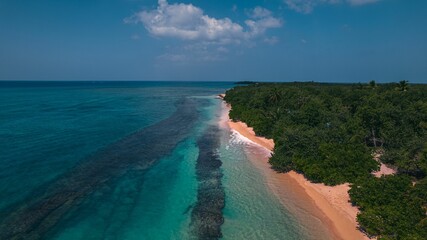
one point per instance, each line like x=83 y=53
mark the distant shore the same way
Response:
x=330 y=205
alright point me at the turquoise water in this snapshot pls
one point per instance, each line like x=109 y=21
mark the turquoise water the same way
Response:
x=128 y=160
x=252 y=210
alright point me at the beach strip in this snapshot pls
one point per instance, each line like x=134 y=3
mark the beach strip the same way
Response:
x=330 y=205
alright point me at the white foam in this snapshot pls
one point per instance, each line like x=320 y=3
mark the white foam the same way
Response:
x=238 y=139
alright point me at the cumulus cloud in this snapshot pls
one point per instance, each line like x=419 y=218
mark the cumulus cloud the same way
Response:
x=188 y=22
x=262 y=19
x=260 y=12
x=307 y=6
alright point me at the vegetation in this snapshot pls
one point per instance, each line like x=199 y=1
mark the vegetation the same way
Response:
x=391 y=207
x=329 y=132
x=245 y=82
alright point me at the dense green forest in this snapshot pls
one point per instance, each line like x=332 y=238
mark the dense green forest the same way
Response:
x=330 y=132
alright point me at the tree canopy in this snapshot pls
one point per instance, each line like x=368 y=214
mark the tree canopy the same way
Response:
x=328 y=132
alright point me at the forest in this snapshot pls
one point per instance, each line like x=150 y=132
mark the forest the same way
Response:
x=331 y=133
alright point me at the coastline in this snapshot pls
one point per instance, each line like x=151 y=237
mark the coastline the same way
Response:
x=330 y=206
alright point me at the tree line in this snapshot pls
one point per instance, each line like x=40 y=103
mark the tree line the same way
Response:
x=329 y=133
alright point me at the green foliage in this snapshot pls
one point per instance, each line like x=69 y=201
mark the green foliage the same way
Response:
x=391 y=207
x=329 y=131
x=402 y=85
x=372 y=84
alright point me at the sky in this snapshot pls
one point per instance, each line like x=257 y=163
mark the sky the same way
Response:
x=221 y=40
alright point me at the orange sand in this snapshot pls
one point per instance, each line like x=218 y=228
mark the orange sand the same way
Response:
x=249 y=133
x=384 y=169
x=330 y=205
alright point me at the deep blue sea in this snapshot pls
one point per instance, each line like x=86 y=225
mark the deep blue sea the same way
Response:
x=128 y=160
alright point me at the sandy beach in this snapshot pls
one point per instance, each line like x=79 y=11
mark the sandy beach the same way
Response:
x=329 y=206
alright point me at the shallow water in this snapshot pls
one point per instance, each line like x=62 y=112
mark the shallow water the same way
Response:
x=252 y=210
x=128 y=161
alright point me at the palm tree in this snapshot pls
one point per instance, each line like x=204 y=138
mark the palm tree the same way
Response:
x=275 y=95
x=403 y=86
x=372 y=84
x=274 y=114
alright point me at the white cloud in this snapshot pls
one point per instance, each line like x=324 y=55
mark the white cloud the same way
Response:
x=135 y=37
x=261 y=20
x=222 y=49
x=234 y=8
x=188 y=22
x=259 y=12
x=172 y=57
x=307 y=6
x=185 y=21
x=271 y=40
x=361 y=2
x=203 y=38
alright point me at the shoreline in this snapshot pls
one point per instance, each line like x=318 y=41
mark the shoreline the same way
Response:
x=330 y=206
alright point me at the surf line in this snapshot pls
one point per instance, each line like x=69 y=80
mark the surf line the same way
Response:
x=206 y=216
x=37 y=215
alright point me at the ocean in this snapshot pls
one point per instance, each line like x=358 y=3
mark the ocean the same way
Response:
x=129 y=160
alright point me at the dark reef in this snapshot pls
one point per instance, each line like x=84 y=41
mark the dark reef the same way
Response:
x=206 y=217
x=33 y=218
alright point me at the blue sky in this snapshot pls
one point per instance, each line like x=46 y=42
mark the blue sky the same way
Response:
x=276 y=40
